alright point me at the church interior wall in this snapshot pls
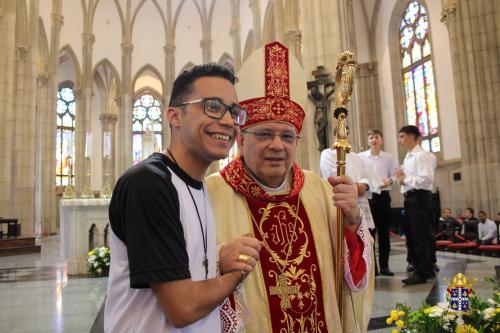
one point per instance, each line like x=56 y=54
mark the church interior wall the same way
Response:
x=108 y=34
x=188 y=34
x=148 y=38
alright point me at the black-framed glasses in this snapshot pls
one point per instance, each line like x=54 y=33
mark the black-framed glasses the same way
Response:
x=215 y=108
x=268 y=136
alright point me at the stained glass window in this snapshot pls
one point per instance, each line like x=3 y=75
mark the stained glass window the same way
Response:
x=146 y=127
x=418 y=75
x=65 y=137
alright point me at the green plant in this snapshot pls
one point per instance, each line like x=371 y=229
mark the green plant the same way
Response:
x=99 y=259
x=483 y=316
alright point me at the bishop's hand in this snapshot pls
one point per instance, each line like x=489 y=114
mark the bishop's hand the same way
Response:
x=345 y=194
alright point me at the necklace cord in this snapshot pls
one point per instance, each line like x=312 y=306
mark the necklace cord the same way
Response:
x=204 y=233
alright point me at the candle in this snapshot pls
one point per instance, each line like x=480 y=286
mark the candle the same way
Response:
x=107 y=144
x=88 y=145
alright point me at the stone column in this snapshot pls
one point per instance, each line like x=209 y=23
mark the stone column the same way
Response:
x=206 y=49
x=83 y=115
x=167 y=89
x=368 y=100
x=22 y=164
x=279 y=25
x=257 y=26
x=108 y=124
x=45 y=191
x=125 y=115
x=474 y=43
x=8 y=51
x=234 y=31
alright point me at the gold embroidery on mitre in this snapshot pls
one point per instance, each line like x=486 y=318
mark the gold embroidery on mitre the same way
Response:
x=277 y=72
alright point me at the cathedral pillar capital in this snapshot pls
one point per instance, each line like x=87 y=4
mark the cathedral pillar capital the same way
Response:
x=22 y=52
x=254 y=5
x=57 y=20
x=169 y=49
x=448 y=13
x=127 y=47
x=108 y=118
x=88 y=37
x=77 y=92
x=42 y=79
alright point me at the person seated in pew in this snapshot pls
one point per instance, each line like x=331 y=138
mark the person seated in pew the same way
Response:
x=446 y=225
x=468 y=224
x=487 y=229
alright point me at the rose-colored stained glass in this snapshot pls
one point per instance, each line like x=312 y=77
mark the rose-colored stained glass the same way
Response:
x=418 y=81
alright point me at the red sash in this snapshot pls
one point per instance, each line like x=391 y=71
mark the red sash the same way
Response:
x=290 y=267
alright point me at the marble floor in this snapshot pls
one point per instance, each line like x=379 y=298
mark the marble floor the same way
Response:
x=36 y=294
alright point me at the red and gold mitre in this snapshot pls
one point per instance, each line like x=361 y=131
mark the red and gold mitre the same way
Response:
x=280 y=94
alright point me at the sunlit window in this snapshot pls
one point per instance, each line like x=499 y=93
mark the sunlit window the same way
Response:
x=146 y=127
x=65 y=137
x=418 y=74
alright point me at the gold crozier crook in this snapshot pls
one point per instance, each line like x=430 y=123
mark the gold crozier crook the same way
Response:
x=344 y=77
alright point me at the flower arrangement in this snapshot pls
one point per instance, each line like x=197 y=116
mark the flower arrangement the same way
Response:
x=483 y=316
x=99 y=260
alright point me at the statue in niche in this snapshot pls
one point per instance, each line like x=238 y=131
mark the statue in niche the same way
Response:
x=149 y=142
x=321 y=114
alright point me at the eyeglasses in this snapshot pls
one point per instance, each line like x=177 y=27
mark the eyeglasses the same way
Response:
x=215 y=108
x=268 y=136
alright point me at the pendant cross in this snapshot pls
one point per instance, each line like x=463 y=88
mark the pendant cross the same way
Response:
x=283 y=290
x=205 y=263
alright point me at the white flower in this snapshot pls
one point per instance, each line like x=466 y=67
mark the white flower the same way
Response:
x=96 y=264
x=491 y=301
x=460 y=321
x=107 y=264
x=488 y=313
x=436 y=312
x=99 y=270
x=92 y=258
x=449 y=316
x=443 y=305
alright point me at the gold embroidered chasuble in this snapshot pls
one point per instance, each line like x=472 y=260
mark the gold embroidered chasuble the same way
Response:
x=285 y=285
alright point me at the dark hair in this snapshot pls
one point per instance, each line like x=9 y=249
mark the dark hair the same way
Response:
x=482 y=212
x=410 y=129
x=470 y=209
x=375 y=131
x=183 y=84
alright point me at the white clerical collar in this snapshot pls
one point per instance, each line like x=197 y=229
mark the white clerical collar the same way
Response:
x=273 y=190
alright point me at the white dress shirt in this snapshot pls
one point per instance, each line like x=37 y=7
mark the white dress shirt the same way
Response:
x=419 y=167
x=380 y=166
x=356 y=170
x=487 y=230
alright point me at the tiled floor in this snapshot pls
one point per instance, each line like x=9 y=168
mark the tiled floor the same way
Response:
x=36 y=295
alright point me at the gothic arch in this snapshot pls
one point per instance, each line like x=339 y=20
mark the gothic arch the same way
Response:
x=268 y=31
x=22 y=24
x=148 y=68
x=67 y=51
x=188 y=65
x=105 y=63
x=249 y=46
x=226 y=59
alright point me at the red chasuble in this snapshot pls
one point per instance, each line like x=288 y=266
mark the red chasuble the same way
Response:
x=289 y=262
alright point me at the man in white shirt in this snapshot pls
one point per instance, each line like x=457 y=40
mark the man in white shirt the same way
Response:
x=382 y=166
x=416 y=179
x=487 y=229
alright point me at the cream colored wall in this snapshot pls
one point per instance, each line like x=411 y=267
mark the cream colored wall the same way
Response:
x=108 y=34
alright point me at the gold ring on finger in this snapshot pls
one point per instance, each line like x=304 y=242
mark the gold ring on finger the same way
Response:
x=243 y=258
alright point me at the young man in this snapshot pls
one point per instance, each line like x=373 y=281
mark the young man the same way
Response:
x=416 y=179
x=383 y=166
x=163 y=248
x=469 y=225
x=265 y=193
x=487 y=229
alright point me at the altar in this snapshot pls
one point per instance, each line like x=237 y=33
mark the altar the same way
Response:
x=83 y=226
